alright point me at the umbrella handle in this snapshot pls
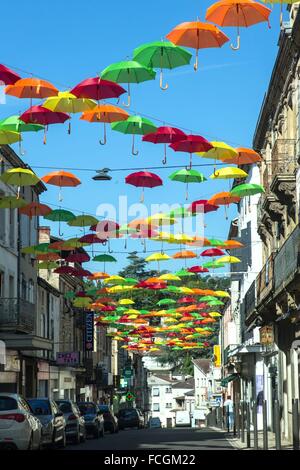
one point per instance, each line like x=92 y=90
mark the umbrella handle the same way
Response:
x=187 y=192
x=196 y=61
x=59 y=232
x=142 y=199
x=60 y=198
x=103 y=142
x=127 y=105
x=145 y=248
x=164 y=161
x=133 y=151
x=162 y=87
x=45 y=136
x=191 y=162
x=238 y=43
x=69 y=128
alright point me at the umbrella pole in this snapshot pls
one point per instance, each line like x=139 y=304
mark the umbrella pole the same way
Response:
x=197 y=60
x=187 y=192
x=45 y=135
x=69 y=127
x=60 y=198
x=133 y=151
x=59 y=232
x=142 y=195
x=103 y=142
x=145 y=247
x=191 y=161
x=127 y=105
x=164 y=161
x=281 y=14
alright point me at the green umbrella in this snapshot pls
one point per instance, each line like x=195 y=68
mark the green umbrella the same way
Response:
x=187 y=176
x=166 y=302
x=215 y=242
x=129 y=281
x=215 y=302
x=83 y=221
x=105 y=259
x=184 y=273
x=12 y=202
x=247 y=189
x=60 y=215
x=128 y=72
x=162 y=55
x=48 y=265
x=180 y=212
x=213 y=265
x=15 y=124
x=171 y=289
x=207 y=298
x=70 y=294
x=134 y=125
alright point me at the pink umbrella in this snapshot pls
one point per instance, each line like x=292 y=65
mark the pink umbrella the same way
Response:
x=144 y=179
x=165 y=135
x=192 y=144
x=41 y=115
x=213 y=252
x=7 y=76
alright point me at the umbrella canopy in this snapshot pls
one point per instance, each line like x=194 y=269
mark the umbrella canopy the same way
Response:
x=157 y=257
x=213 y=265
x=48 y=257
x=98 y=276
x=229 y=173
x=35 y=209
x=15 y=124
x=220 y=151
x=134 y=125
x=202 y=206
x=91 y=238
x=144 y=179
x=245 y=156
x=198 y=269
x=165 y=135
x=192 y=144
x=12 y=202
x=166 y=302
x=19 y=177
x=247 y=189
x=197 y=35
x=223 y=199
x=78 y=258
x=97 y=89
x=106 y=113
x=47 y=265
x=228 y=259
x=232 y=244
x=162 y=55
x=128 y=72
x=160 y=219
x=212 y=252
x=43 y=116
x=169 y=277
x=60 y=215
x=9 y=137
x=105 y=258
x=239 y=13
x=31 y=88
x=187 y=176
x=126 y=302
x=83 y=221
x=61 y=179
x=185 y=255
x=184 y=273
x=7 y=76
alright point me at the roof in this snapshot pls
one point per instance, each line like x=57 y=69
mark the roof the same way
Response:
x=203 y=364
x=191 y=393
x=45 y=285
x=188 y=384
x=161 y=377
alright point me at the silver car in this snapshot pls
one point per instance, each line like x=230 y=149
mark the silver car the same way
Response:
x=19 y=428
x=75 y=425
x=52 y=419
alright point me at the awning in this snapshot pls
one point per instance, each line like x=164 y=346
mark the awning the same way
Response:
x=228 y=379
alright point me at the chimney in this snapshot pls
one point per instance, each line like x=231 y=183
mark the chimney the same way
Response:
x=44 y=234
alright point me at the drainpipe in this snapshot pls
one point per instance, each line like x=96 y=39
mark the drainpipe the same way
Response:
x=18 y=306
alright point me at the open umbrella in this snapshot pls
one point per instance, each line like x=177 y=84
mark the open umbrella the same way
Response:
x=19 y=177
x=12 y=202
x=198 y=270
x=220 y=151
x=106 y=113
x=162 y=55
x=224 y=199
x=290 y=2
x=78 y=258
x=134 y=125
x=213 y=265
x=7 y=75
x=197 y=35
x=228 y=259
x=247 y=189
x=192 y=144
x=9 y=137
x=31 y=88
x=202 y=206
x=143 y=179
x=43 y=116
x=83 y=221
x=14 y=123
x=61 y=179
x=157 y=257
x=165 y=135
x=237 y=13
x=232 y=244
x=212 y=252
x=229 y=173
x=60 y=215
x=97 y=89
x=49 y=265
x=244 y=156
x=35 y=209
x=187 y=176
x=105 y=259
x=128 y=72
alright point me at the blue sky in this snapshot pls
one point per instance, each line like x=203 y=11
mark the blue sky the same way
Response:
x=66 y=44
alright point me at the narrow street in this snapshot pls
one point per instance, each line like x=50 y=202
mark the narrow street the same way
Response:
x=162 y=439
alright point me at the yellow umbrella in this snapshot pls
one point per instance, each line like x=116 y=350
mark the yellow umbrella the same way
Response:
x=126 y=302
x=163 y=236
x=161 y=219
x=186 y=290
x=113 y=279
x=220 y=151
x=228 y=259
x=214 y=314
x=19 y=177
x=183 y=238
x=132 y=311
x=9 y=137
x=228 y=173
x=169 y=277
x=157 y=257
x=222 y=293
x=116 y=289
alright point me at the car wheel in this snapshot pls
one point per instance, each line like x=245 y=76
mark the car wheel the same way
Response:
x=77 y=439
x=83 y=437
x=63 y=442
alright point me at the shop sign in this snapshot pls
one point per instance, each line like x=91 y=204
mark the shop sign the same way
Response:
x=89 y=331
x=67 y=358
x=130 y=396
x=217 y=355
x=266 y=335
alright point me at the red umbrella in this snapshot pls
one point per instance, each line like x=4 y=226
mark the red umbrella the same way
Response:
x=202 y=205
x=198 y=269
x=213 y=252
x=65 y=270
x=165 y=135
x=192 y=144
x=186 y=300
x=78 y=258
x=97 y=89
x=7 y=76
x=92 y=238
x=143 y=179
x=106 y=229
x=35 y=209
x=158 y=285
x=81 y=273
x=41 y=115
x=105 y=300
x=142 y=285
x=108 y=308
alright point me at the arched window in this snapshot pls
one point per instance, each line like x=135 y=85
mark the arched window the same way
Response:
x=31 y=291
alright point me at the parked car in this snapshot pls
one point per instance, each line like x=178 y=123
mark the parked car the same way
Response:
x=52 y=419
x=130 y=418
x=94 y=421
x=154 y=423
x=19 y=428
x=75 y=424
x=110 y=420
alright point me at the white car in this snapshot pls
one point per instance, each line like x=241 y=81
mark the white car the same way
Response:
x=19 y=428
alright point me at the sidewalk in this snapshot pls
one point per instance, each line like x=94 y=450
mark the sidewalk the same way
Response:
x=238 y=444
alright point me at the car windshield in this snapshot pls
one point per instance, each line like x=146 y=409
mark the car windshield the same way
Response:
x=40 y=407
x=87 y=408
x=128 y=413
x=104 y=408
x=8 y=403
x=64 y=406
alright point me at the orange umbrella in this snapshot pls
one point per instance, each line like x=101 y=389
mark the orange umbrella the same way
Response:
x=232 y=244
x=31 y=88
x=185 y=254
x=224 y=199
x=153 y=280
x=106 y=113
x=197 y=35
x=61 y=179
x=239 y=13
x=48 y=257
x=199 y=241
x=34 y=209
x=97 y=276
x=245 y=157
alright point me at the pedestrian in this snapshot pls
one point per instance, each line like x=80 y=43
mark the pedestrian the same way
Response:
x=228 y=407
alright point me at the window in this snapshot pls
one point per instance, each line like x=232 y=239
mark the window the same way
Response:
x=31 y=291
x=168 y=405
x=23 y=287
x=155 y=392
x=11 y=287
x=2 y=221
x=1 y=284
x=156 y=407
x=168 y=389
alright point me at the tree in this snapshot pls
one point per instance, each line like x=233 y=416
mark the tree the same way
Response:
x=136 y=268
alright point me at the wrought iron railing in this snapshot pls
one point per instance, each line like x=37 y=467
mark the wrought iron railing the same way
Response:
x=12 y=318
x=287 y=260
x=265 y=279
x=284 y=161
x=250 y=300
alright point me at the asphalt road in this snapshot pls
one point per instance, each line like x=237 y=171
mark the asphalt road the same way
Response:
x=163 y=439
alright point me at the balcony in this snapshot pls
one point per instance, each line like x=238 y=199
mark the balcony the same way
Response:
x=265 y=280
x=13 y=321
x=250 y=300
x=284 y=160
x=287 y=260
